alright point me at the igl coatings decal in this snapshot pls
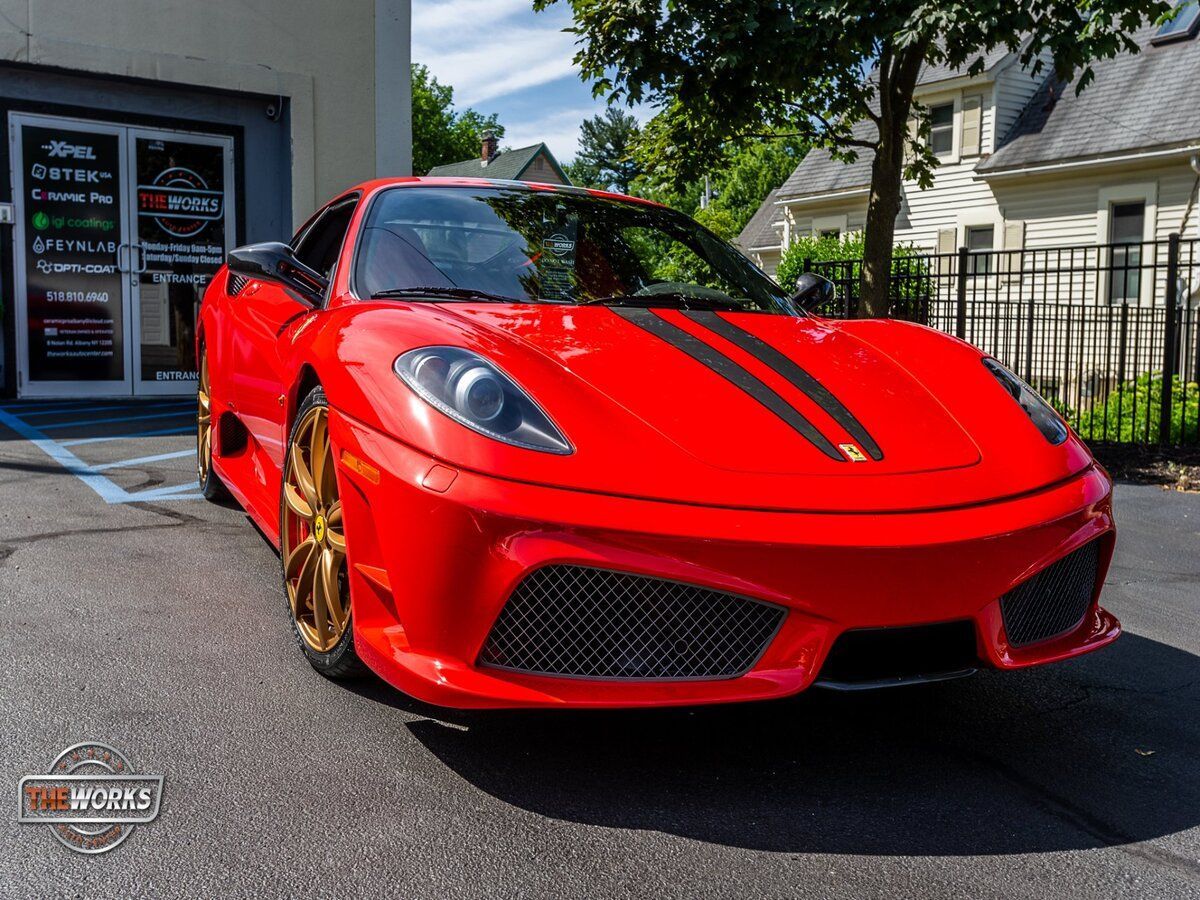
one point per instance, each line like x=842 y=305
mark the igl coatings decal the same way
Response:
x=91 y=800
x=180 y=202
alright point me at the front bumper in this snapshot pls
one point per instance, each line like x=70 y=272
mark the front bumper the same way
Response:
x=435 y=553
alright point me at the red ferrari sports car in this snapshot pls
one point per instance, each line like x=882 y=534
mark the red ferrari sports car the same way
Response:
x=526 y=445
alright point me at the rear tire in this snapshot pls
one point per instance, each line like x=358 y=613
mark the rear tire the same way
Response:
x=312 y=546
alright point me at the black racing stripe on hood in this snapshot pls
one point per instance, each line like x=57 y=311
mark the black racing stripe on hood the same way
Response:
x=789 y=369
x=718 y=362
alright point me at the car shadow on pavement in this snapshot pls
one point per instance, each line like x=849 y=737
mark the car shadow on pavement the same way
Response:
x=1100 y=751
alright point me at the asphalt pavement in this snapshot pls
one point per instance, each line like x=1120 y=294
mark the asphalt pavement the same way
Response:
x=140 y=616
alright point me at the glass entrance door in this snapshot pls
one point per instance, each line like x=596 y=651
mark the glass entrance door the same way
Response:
x=119 y=230
x=182 y=190
x=71 y=291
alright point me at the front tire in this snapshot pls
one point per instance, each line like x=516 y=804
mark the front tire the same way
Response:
x=211 y=485
x=312 y=545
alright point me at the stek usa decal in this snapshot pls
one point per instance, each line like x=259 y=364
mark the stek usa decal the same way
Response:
x=91 y=800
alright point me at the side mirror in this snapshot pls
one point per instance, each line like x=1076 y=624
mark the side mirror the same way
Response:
x=276 y=262
x=812 y=292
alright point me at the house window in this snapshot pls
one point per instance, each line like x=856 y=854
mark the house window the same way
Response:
x=1183 y=26
x=941 y=129
x=1127 y=222
x=832 y=234
x=981 y=240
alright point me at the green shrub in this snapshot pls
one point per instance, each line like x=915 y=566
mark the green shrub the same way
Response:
x=822 y=249
x=910 y=288
x=1132 y=411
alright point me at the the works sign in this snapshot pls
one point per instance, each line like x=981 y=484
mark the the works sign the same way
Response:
x=180 y=202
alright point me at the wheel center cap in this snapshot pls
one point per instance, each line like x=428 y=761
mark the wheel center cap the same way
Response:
x=319 y=528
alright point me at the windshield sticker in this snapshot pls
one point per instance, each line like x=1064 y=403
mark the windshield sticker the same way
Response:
x=556 y=265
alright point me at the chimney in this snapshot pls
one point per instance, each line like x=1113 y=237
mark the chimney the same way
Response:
x=489 y=149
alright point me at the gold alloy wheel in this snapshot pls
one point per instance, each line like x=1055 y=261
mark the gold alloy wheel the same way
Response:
x=203 y=423
x=314 y=544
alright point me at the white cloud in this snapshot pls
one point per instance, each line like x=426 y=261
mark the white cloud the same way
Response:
x=558 y=130
x=499 y=56
x=490 y=48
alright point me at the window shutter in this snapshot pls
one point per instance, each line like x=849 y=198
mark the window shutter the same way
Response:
x=1014 y=239
x=945 y=248
x=972 y=125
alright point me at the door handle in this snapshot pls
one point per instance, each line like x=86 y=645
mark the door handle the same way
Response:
x=122 y=265
x=141 y=256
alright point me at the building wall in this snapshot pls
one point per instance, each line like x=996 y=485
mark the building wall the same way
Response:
x=321 y=56
x=541 y=170
x=1062 y=209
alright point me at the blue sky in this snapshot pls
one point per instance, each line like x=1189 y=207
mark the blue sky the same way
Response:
x=502 y=57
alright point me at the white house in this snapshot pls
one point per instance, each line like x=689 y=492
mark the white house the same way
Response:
x=1025 y=163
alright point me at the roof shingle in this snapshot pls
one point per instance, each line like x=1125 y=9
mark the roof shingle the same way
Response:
x=506 y=166
x=1137 y=102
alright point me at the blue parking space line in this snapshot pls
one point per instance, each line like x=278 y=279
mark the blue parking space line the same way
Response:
x=137 y=461
x=75 y=442
x=107 y=490
x=116 y=407
x=174 y=413
x=37 y=404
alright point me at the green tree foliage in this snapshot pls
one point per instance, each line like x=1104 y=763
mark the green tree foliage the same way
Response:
x=732 y=69
x=606 y=159
x=739 y=181
x=440 y=134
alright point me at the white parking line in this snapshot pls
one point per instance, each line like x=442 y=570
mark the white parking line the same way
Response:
x=108 y=491
x=75 y=442
x=125 y=463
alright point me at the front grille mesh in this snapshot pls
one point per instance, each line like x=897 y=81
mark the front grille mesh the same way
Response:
x=1054 y=601
x=594 y=623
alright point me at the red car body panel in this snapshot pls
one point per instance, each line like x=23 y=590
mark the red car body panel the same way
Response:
x=676 y=473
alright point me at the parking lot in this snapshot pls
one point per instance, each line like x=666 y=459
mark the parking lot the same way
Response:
x=136 y=614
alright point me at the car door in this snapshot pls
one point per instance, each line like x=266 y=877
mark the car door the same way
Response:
x=266 y=315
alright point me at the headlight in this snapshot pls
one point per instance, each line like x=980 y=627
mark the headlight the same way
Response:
x=475 y=393
x=1048 y=422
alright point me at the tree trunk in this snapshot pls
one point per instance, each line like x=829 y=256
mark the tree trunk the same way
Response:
x=898 y=71
x=883 y=205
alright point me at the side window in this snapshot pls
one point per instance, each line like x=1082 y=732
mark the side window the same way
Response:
x=319 y=245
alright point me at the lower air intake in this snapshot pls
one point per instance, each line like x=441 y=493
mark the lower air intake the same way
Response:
x=582 y=622
x=1054 y=601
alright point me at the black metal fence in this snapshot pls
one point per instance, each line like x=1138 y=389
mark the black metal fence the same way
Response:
x=1109 y=334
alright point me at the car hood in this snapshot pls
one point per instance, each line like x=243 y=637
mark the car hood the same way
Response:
x=753 y=410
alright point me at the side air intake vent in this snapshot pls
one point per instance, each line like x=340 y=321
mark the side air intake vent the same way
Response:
x=236 y=284
x=593 y=623
x=1054 y=601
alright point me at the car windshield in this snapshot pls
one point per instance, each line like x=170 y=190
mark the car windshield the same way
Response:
x=520 y=245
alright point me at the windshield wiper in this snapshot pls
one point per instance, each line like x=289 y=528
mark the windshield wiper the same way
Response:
x=446 y=293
